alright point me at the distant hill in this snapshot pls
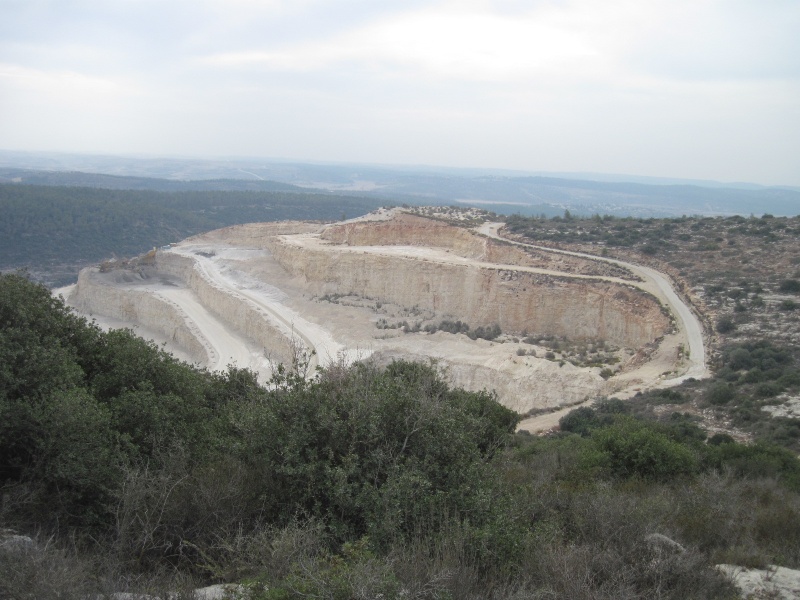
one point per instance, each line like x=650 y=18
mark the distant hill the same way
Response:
x=503 y=191
x=119 y=182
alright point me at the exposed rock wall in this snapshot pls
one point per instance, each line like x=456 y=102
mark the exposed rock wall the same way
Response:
x=237 y=311
x=547 y=385
x=92 y=295
x=254 y=235
x=517 y=301
x=409 y=230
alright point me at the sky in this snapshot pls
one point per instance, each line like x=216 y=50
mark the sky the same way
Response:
x=705 y=89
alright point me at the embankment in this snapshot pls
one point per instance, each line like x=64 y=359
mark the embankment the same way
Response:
x=480 y=295
x=95 y=294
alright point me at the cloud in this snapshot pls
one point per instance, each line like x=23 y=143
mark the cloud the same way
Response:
x=442 y=42
x=712 y=40
x=667 y=87
x=65 y=85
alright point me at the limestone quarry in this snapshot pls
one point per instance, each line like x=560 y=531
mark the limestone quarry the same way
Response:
x=565 y=327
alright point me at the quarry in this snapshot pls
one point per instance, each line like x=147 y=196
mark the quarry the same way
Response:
x=542 y=328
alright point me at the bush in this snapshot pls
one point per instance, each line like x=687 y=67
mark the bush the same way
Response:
x=486 y=333
x=725 y=324
x=789 y=286
x=581 y=421
x=768 y=389
x=757 y=461
x=613 y=406
x=739 y=359
x=633 y=449
x=720 y=393
x=666 y=396
x=44 y=572
x=720 y=438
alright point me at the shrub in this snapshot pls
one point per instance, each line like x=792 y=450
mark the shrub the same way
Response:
x=486 y=333
x=720 y=438
x=720 y=393
x=768 y=389
x=612 y=406
x=789 y=286
x=634 y=449
x=757 y=461
x=739 y=359
x=666 y=396
x=581 y=421
x=725 y=324
x=683 y=428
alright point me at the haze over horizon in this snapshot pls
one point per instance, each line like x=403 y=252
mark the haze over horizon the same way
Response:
x=699 y=89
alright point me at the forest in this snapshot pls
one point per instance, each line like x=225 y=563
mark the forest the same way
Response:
x=134 y=472
x=53 y=231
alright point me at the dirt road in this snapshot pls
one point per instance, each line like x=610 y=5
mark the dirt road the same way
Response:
x=654 y=282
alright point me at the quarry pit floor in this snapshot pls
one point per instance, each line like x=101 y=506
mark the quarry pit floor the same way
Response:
x=344 y=329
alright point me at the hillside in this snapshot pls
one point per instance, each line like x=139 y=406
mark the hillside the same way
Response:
x=145 y=475
x=503 y=191
x=742 y=275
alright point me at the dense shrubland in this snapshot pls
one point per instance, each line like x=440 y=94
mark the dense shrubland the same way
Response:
x=137 y=472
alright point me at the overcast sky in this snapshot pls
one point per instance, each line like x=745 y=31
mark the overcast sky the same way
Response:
x=676 y=88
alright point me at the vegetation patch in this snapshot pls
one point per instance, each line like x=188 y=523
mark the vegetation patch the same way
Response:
x=146 y=475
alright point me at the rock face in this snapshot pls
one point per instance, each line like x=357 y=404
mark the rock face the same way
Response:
x=410 y=230
x=261 y=285
x=233 y=309
x=95 y=295
x=479 y=292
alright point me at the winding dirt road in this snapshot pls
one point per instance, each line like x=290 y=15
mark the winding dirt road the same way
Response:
x=652 y=281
